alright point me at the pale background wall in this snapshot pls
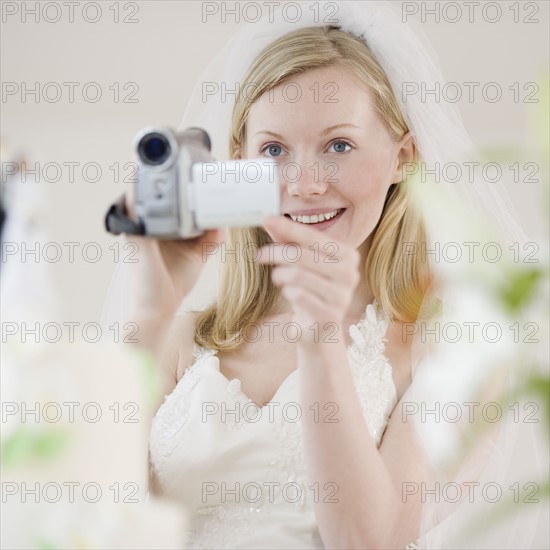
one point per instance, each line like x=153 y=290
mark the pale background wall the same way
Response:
x=164 y=53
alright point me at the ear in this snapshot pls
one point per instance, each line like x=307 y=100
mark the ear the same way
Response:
x=406 y=153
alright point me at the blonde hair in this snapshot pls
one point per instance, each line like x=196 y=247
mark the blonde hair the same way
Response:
x=246 y=294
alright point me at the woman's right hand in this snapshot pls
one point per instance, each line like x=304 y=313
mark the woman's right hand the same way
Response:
x=167 y=270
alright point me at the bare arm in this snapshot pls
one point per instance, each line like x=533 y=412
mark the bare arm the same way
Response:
x=176 y=354
x=370 y=512
x=175 y=358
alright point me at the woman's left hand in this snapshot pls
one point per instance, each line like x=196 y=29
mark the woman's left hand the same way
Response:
x=318 y=275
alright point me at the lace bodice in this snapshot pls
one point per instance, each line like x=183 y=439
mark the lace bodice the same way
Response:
x=239 y=469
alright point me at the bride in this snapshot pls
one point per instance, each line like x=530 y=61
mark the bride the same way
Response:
x=282 y=418
x=326 y=287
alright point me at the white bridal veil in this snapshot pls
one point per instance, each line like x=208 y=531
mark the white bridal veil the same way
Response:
x=481 y=436
x=469 y=360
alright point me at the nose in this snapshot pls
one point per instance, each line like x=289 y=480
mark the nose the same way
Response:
x=303 y=179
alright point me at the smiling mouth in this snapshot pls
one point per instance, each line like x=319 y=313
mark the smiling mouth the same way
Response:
x=316 y=218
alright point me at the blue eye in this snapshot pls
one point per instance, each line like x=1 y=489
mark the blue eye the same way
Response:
x=272 y=149
x=340 y=146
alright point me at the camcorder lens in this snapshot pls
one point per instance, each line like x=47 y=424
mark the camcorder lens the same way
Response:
x=154 y=149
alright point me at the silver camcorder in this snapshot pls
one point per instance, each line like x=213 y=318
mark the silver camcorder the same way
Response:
x=181 y=191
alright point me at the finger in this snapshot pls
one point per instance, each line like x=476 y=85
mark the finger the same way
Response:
x=311 y=307
x=324 y=289
x=287 y=230
x=331 y=252
x=342 y=266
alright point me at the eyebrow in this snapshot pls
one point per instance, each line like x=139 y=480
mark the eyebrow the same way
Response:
x=323 y=133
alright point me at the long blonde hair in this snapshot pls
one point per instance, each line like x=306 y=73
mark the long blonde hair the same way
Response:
x=246 y=294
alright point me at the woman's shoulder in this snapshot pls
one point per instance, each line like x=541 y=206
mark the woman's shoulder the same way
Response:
x=183 y=338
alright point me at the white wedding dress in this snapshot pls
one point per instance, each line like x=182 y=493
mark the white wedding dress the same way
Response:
x=239 y=469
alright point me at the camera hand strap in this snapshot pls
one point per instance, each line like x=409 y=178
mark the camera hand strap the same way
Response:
x=117 y=220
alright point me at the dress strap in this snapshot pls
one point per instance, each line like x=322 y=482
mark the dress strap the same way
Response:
x=200 y=353
x=368 y=335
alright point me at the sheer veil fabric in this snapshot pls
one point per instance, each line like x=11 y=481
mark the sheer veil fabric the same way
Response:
x=449 y=375
x=444 y=372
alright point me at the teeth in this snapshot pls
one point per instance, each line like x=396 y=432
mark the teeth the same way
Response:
x=316 y=218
